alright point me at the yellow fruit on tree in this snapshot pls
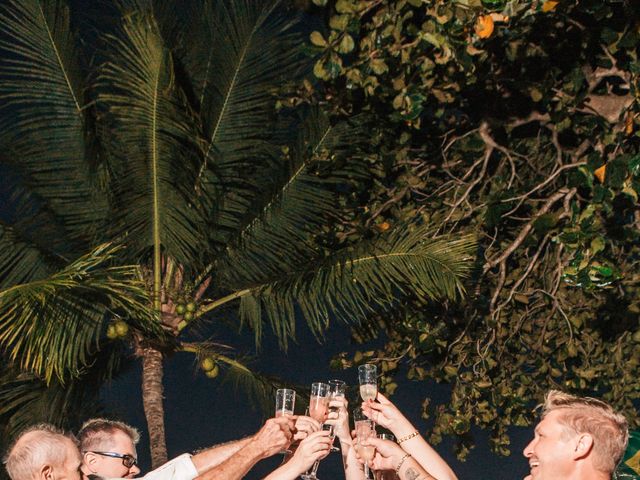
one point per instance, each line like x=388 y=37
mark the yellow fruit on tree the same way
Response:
x=121 y=328
x=111 y=332
x=191 y=307
x=213 y=373
x=207 y=364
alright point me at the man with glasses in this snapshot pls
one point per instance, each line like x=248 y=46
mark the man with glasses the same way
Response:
x=108 y=450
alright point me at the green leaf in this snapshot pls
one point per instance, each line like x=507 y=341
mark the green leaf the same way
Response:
x=346 y=44
x=317 y=39
x=319 y=71
x=634 y=165
x=617 y=172
x=378 y=66
x=544 y=223
x=344 y=6
x=597 y=245
x=581 y=177
x=339 y=22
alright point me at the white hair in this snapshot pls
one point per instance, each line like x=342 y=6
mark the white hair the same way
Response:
x=34 y=448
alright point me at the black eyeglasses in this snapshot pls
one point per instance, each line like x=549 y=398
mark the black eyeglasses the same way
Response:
x=127 y=460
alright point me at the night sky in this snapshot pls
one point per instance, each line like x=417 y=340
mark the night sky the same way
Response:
x=200 y=412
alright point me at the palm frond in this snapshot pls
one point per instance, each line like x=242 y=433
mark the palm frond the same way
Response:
x=239 y=373
x=371 y=277
x=249 y=50
x=153 y=140
x=275 y=235
x=239 y=53
x=42 y=110
x=50 y=326
x=25 y=399
x=22 y=261
x=31 y=223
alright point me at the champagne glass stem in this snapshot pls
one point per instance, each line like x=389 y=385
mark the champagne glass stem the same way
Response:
x=311 y=473
x=314 y=470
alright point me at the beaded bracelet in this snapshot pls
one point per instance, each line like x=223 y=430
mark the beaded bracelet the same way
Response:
x=408 y=437
x=406 y=455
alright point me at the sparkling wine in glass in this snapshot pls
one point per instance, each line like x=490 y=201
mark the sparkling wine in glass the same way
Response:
x=319 y=401
x=285 y=404
x=337 y=389
x=285 y=401
x=312 y=474
x=368 y=377
x=364 y=429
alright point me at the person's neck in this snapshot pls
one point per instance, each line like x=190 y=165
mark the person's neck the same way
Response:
x=588 y=473
x=91 y=476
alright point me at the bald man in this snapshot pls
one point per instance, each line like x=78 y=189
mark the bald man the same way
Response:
x=43 y=452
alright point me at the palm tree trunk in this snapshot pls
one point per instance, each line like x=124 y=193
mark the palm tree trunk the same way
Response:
x=152 y=397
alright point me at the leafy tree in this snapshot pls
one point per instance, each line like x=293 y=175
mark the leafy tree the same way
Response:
x=154 y=125
x=517 y=120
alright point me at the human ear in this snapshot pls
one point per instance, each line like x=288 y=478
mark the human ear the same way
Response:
x=583 y=446
x=46 y=473
x=89 y=461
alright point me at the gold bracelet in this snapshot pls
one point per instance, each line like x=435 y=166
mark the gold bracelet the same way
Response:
x=408 y=437
x=406 y=455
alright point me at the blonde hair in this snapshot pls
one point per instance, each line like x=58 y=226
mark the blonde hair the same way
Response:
x=98 y=433
x=609 y=429
x=48 y=446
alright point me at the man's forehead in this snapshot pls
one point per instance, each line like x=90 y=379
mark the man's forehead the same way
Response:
x=548 y=420
x=122 y=440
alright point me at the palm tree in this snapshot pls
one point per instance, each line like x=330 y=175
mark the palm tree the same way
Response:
x=157 y=129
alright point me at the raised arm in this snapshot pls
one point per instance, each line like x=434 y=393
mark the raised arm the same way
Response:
x=314 y=447
x=385 y=413
x=214 y=456
x=273 y=437
x=389 y=456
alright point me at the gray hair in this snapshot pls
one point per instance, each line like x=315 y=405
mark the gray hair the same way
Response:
x=98 y=433
x=34 y=447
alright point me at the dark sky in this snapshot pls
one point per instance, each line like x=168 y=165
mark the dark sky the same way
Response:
x=199 y=412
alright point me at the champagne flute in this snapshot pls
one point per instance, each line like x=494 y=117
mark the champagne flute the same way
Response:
x=318 y=404
x=365 y=429
x=312 y=474
x=337 y=389
x=285 y=404
x=285 y=401
x=367 y=375
x=319 y=401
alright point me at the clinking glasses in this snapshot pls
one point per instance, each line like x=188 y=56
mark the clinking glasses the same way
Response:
x=127 y=460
